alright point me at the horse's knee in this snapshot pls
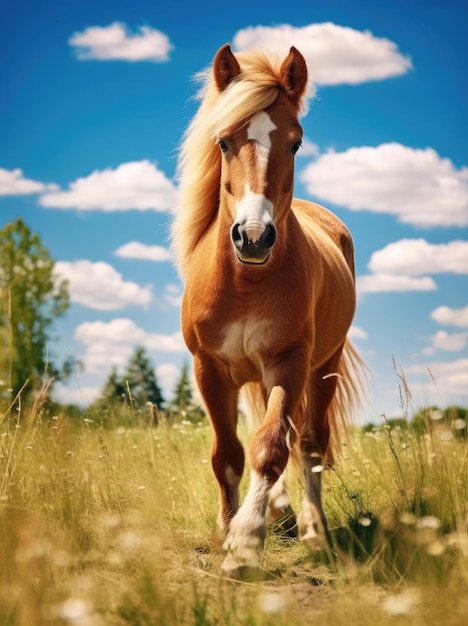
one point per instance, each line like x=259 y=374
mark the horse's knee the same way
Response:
x=269 y=453
x=227 y=460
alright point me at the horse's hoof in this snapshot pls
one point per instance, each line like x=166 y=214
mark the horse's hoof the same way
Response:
x=285 y=525
x=245 y=573
x=232 y=568
x=314 y=541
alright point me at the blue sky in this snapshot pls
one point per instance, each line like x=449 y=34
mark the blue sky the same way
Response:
x=95 y=96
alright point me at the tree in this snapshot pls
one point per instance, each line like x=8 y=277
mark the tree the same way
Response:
x=452 y=419
x=31 y=299
x=141 y=379
x=183 y=403
x=111 y=408
x=114 y=387
x=114 y=407
x=183 y=391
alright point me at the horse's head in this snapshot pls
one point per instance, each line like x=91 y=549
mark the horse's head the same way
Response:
x=258 y=156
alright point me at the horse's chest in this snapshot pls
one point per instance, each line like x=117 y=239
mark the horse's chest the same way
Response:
x=246 y=338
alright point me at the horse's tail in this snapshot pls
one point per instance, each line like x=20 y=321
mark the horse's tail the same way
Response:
x=349 y=395
x=351 y=377
x=252 y=394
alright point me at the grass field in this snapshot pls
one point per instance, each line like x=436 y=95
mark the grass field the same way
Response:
x=118 y=527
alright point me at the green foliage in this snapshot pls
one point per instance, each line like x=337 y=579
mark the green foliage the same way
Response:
x=183 y=403
x=452 y=420
x=114 y=387
x=138 y=384
x=131 y=399
x=136 y=399
x=31 y=299
x=183 y=391
x=141 y=379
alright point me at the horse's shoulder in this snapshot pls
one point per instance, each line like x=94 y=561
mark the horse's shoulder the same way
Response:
x=317 y=220
x=322 y=217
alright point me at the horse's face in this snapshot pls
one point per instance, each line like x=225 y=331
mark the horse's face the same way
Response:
x=258 y=160
x=257 y=177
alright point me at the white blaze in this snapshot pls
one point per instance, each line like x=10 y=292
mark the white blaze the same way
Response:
x=259 y=131
x=254 y=209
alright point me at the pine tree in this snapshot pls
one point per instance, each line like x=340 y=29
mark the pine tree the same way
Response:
x=183 y=403
x=141 y=379
x=183 y=391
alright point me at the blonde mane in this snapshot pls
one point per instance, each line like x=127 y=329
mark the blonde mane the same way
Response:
x=199 y=164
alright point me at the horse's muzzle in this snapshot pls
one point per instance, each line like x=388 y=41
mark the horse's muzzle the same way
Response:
x=252 y=244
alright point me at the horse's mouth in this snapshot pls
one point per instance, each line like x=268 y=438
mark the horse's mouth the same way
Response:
x=253 y=260
x=252 y=245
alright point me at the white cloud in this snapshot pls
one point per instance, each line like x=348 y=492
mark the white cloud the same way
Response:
x=173 y=295
x=112 y=343
x=136 y=250
x=451 y=317
x=100 y=286
x=124 y=331
x=335 y=54
x=135 y=185
x=435 y=378
x=13 y=183
x=167 y=376
x=400 y=265
x=83 y=395
x=417 y=186
x=117 y=42
x=379 y=283
x=448 y=342
x=416 y=257
x=308 y=149
x=355 y=332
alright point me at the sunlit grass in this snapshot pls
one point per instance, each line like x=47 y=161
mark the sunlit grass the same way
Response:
x=118 y=526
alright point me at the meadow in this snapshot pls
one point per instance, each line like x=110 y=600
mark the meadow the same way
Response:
x=117 y=526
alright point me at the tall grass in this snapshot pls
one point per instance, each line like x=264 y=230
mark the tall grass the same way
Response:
x=118 y=527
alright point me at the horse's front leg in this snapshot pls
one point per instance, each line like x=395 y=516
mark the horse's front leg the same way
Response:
x=227 y=456
x=269 y=453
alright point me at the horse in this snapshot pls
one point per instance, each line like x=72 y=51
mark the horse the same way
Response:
x=269 y=296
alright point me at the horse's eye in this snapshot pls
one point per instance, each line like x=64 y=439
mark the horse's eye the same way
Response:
x=223 y=145
x=296 y=147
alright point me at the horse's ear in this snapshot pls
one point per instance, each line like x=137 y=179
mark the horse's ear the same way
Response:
x=225 y=67
x=294 y=74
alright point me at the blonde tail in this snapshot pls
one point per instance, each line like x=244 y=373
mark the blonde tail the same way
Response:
x=349 y=395
x=252 y=394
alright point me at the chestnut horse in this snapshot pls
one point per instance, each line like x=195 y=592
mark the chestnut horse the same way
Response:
x=269 y=295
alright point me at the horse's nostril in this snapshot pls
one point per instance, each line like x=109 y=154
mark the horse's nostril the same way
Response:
x=236 y=235
x=269 y=236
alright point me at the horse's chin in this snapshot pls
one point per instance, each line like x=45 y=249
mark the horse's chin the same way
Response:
x=253 y=261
